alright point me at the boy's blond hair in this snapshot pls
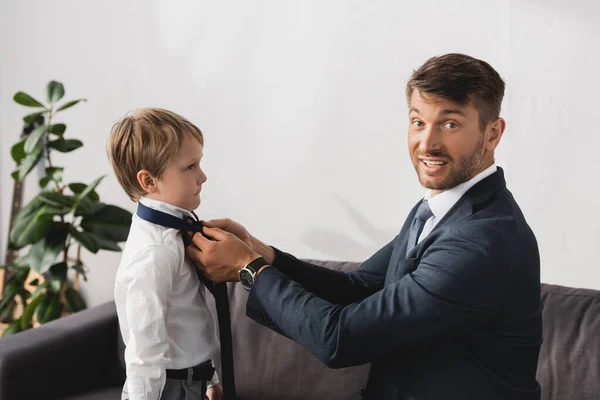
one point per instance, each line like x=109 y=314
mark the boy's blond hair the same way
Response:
x=148 y=138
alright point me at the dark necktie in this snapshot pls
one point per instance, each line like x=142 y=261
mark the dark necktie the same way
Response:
x=421 y=216
x=218 y=290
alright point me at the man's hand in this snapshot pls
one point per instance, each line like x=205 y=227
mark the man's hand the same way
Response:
x=215 y=392
x=230 y=226
x=221 y=258
x=242 y=233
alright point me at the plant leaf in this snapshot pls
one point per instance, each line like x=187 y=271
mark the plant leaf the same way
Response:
x=7 y=310
x=57 y=199
x=89 y=189
x=110 y=222
x=26 y=100
x=31 y=118
x=9 y=292
x=43 y=253
x=88 y=207
x=44 y=182
x=58 y=275
x=30 y=161
x=30 y=224
x=54 y=91
x=19 y=275
x=14 y=327
x=65 y=145
x=49 y=309
x=74 y=300
x=105 y=244
x=29 y=310
x=80 y=268
x=85 y=239
x=69 y=104
x=22 y=262
x=34 y=138
x=17 y=151
x=40 y=288
x=55 y=173
x=79 y=187
x=58 y=129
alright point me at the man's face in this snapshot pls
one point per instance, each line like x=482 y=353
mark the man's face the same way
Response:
x=181 y=182
x=445 y=141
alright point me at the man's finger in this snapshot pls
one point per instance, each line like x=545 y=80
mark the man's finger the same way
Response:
x=193 y=252
x=199 y=240
x=216 y=233
x=221 y=223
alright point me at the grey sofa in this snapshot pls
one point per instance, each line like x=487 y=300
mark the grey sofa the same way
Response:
x=80 y=356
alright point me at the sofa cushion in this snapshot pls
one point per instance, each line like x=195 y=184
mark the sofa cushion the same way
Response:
x=569 y=364
x=108 y=393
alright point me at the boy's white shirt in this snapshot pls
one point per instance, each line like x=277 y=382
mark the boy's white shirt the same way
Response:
x=163 y=316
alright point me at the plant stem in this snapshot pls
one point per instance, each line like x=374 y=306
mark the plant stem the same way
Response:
x=59 y=187
x=78 y=261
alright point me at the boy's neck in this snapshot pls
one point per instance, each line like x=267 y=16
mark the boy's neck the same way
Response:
x=161 y=205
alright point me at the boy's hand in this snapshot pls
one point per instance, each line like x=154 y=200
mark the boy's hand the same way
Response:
x=215 y=392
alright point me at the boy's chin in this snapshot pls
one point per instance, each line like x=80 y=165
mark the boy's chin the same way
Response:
x=194 y=205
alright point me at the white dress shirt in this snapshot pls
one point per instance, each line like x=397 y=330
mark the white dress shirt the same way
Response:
x=443 y=202
x=163 y=315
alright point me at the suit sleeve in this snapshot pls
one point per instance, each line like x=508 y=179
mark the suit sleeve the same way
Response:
x=337 y=287
x=457 y=284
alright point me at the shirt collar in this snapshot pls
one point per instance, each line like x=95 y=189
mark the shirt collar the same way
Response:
x=165 y=207
x=443 y=202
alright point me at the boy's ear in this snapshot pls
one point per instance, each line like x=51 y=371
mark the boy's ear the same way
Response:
x=147 y=181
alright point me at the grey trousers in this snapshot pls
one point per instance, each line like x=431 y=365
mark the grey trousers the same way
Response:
x=176 y=389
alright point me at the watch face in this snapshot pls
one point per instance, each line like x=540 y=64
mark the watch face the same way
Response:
x=246 y=279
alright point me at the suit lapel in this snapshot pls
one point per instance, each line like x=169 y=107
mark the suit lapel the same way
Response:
x=399 y=251
x=464 y=208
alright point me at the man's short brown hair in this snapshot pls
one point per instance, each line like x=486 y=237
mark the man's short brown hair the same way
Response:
x=463 y=80
x=148 y=138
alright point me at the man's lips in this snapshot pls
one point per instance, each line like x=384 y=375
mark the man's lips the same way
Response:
x=433 y=162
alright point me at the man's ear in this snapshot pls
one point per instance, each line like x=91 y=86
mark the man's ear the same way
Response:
x=496 y=129
x=147 y=182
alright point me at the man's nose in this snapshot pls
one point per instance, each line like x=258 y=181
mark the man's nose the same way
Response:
x=430 y=140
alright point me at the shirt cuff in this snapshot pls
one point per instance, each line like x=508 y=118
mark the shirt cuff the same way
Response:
x=213 y=381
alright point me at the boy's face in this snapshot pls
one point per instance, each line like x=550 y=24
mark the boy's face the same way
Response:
x=181 y=182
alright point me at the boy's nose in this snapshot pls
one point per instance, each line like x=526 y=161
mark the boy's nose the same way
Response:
x=202 y=177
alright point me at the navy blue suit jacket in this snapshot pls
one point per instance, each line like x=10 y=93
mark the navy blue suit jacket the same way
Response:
x=459 y=317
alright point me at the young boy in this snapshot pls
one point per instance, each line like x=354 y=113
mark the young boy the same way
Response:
x=167 y=328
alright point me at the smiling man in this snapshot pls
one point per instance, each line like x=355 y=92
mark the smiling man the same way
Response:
x=450 y=308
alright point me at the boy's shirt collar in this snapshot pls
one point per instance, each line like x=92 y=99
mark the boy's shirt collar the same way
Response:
x=166 y=208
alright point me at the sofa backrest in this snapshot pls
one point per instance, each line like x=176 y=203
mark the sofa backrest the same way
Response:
x=569 y=363
x=269 y=366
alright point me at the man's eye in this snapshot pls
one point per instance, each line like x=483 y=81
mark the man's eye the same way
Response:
x=451 y=125
x=418 y=123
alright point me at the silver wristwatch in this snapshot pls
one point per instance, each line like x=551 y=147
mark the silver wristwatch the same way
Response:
x=248 y=273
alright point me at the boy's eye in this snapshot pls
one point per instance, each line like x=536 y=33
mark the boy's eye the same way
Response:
x=417 y=123
x=191 y=166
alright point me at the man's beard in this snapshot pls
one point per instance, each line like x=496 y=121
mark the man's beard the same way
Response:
x=468 y=166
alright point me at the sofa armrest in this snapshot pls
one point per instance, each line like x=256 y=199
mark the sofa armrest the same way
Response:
x=66 y=356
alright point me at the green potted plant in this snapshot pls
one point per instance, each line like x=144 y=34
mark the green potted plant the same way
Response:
x=50 y=231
